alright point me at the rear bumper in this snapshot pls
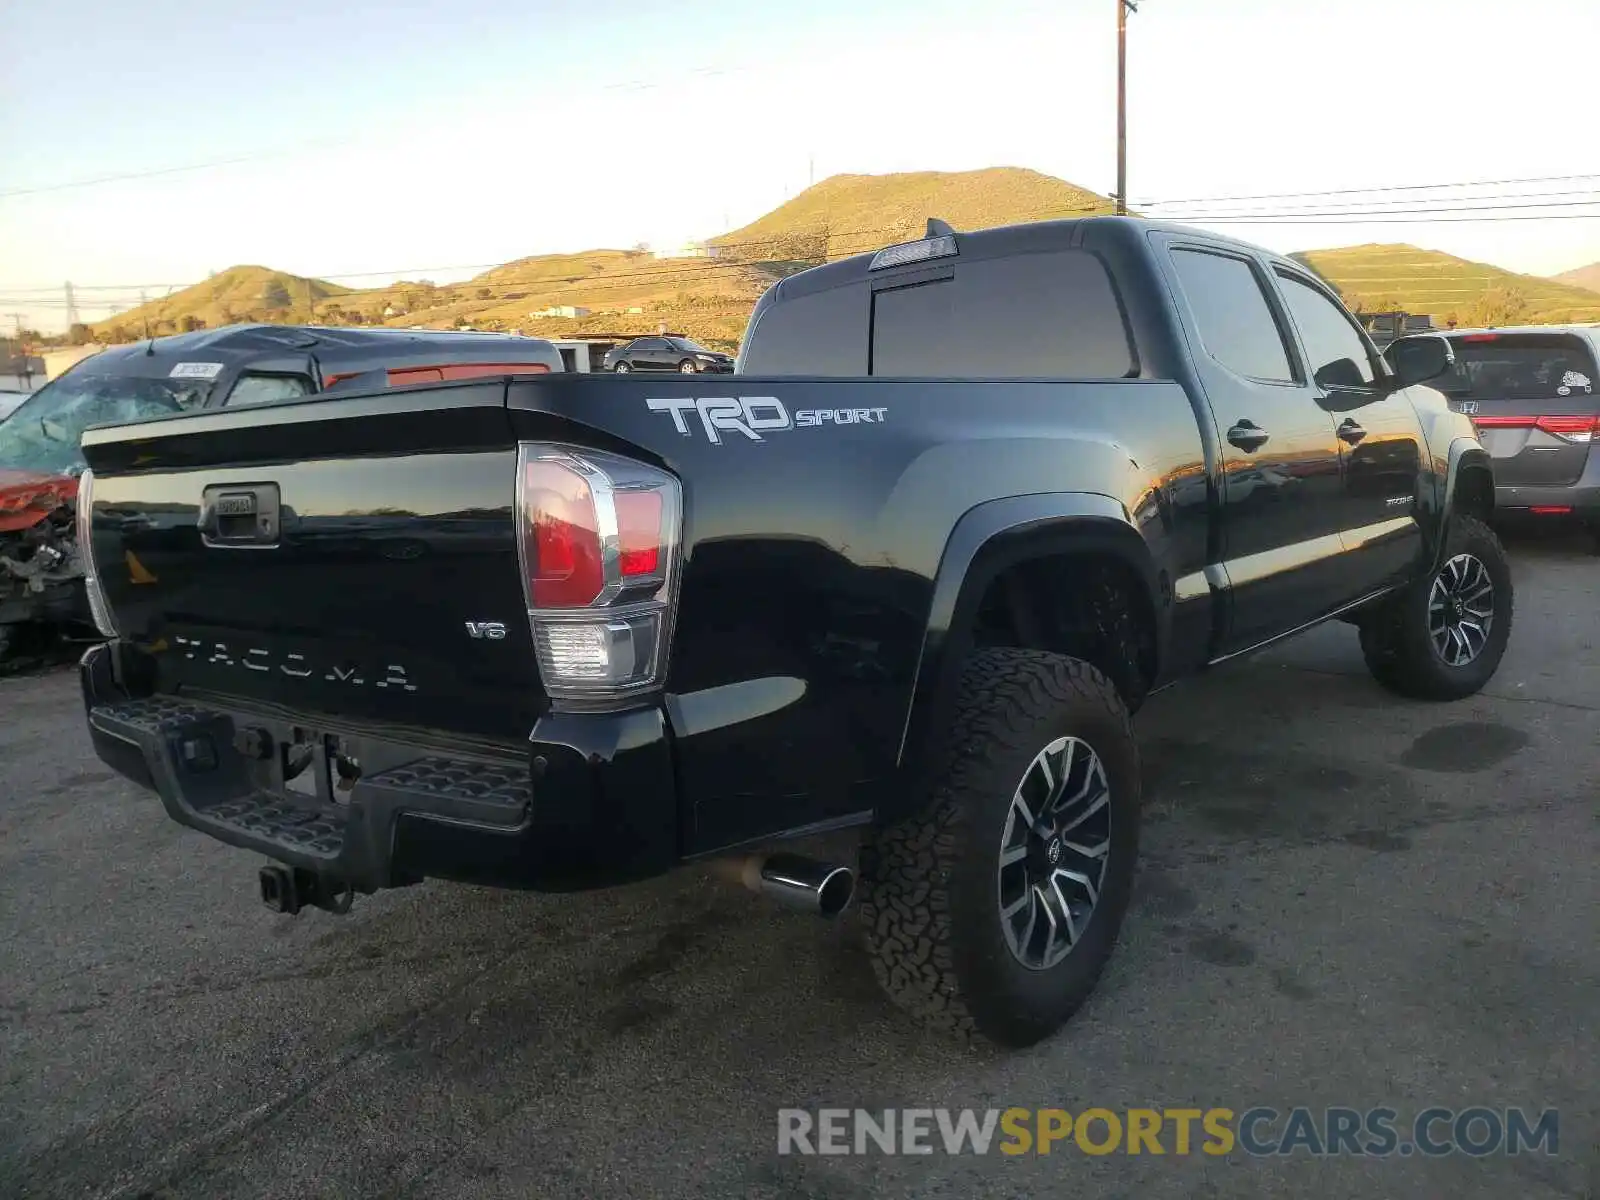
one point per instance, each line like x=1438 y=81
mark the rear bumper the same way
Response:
x=1583 y=500
x=1582 y=496
x=591 y=803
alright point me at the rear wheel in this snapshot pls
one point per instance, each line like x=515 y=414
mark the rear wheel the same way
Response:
x=994 y=909
x=1442 y=638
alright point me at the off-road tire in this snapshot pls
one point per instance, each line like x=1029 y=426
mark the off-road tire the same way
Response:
x=930 y=888
x=1395 y=639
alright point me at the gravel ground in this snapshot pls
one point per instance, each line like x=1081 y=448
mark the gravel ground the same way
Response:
x=1345 y=899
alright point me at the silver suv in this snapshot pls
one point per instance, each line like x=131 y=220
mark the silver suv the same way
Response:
x=1534 y=394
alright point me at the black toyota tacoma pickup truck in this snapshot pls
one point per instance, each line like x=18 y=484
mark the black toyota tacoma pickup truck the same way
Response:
x=964 y=505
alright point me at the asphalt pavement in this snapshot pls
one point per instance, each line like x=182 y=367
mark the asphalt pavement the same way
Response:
x=1345 y=900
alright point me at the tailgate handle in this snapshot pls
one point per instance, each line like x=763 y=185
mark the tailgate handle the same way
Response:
x=240 y=516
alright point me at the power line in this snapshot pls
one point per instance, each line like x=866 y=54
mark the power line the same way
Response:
x=1379 y=206
x=323 y=143
x=1385 y=188
x=128 y=176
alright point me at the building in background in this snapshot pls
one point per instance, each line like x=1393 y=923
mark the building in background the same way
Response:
x=688 y=250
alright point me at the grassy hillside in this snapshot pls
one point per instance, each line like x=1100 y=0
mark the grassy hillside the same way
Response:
x=1584 y=277
x=631 y=291
x=1379 y=278
x=243 y=293
x=851 y=214
x=624 y=290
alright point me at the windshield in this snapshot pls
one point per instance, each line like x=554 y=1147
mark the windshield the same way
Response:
x=42 y=435
x=686 y=344
x=1520 y=367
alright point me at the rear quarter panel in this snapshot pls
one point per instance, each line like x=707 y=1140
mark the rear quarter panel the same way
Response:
x=811 y=552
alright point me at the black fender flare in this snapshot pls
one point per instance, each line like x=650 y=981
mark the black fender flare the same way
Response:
x=989 y=538
x=1465 y=454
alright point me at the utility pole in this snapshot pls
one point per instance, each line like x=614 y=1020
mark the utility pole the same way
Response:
x=1124 y=7
x=72 y=307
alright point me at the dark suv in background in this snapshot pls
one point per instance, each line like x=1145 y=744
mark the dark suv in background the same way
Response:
x=680 y=354
x=1534 y=395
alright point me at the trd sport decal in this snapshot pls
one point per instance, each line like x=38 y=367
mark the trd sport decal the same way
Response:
x=754 y=415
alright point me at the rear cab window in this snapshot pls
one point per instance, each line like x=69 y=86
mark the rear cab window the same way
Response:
x=1049 y=314
x=1521 y=366
x=255 y=388
x=1046 y=315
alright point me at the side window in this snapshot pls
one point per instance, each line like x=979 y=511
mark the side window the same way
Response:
x=1335 y=350
x=650 y=344
x=265 y=389
x=823 y=333
x=1232 y=315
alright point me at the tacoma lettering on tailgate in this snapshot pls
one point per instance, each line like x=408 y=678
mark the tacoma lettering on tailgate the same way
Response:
x=296 y=666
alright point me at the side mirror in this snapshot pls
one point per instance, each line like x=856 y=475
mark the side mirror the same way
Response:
x=1419 y=359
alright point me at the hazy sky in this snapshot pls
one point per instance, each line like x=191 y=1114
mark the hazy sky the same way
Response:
x=410 y=136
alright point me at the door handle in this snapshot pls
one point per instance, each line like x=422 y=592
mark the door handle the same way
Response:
x=1350 y=432
x=1247 y=435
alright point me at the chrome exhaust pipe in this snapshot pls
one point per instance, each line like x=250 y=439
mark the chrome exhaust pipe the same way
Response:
x=794 y=881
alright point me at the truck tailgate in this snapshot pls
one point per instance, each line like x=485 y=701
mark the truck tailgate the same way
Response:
x=354 y=557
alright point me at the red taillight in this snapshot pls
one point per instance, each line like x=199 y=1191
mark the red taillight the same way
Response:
x=1480 y=337
x=639 y=533
x=1567 y=426
x=564 y=568
x=1571 y=428
x=598 y=544
x=1549 y=510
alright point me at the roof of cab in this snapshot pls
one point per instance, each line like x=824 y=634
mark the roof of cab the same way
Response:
x=998 y=241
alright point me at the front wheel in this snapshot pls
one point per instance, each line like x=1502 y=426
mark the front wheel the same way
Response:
x=994 y=908
x=1443 y=636
x=687 y=367
x=622 y=368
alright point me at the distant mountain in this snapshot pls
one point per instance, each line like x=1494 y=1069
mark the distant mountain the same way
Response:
x=710 y=296
x=1379 y=278
x=1584 y=277
x=244 y=293
x=851 y=214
